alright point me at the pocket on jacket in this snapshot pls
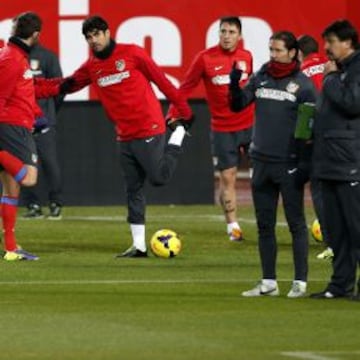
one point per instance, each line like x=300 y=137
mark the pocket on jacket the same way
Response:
x=341 y=145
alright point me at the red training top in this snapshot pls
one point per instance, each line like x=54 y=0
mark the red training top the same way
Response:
x=313 y=67
x=122 y=82
x=213 y=66
x=17 y=95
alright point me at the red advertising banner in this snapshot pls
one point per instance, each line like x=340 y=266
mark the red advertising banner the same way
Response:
x=172 y=31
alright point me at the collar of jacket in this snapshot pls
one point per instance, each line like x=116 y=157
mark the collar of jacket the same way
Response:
x=104 y=54
x=349 y=59
x=19 y=43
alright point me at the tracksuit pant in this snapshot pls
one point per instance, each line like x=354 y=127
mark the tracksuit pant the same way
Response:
x=148 y=158
x=269 y=180
x=342 y=220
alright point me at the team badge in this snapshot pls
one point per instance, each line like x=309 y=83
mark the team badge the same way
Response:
x=292 y=87
x=120 y=65
x=34 y=64
x=241 y=65
x=34 y=158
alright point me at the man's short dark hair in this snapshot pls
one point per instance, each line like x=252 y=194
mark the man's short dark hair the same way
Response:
x=94 y=23
x=26 y=24
x=233 y=20
x=343 y=30
x=288 y=38
x=308 y=45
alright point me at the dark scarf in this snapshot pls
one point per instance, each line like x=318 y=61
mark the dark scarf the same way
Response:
x=279 y=70
x=104 y=54
x=17 y=41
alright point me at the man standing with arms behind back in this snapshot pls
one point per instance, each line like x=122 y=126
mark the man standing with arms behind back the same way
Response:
x=313 y=65
x=44 y=63
x=336 y=158
x=231 y=132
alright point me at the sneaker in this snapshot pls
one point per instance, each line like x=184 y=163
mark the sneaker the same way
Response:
x=262 y=289
x=327 y=254
x=55 y=212
x=355 y=297
x=34 y=212
x=133 y=252
x=326 y=294
x=236 y=235
x=298 y=289
x=19 y=254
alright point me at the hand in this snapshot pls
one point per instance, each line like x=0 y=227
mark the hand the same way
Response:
x=235 y=76
x=66 y=85
x=41 y=124
x=302 y=175
x=173 y=123
x=329 y=67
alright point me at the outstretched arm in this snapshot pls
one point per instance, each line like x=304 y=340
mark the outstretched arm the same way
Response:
x=153 y=73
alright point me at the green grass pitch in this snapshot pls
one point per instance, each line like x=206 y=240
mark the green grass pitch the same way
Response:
x=78 y=302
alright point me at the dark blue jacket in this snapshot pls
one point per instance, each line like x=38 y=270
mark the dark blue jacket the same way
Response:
x=44 y=63
x=276 y=107
x=336 y=153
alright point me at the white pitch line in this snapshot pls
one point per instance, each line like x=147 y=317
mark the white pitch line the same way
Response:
x=216 y=218
x=144 y=281
x=307 y=355
x=318 y=355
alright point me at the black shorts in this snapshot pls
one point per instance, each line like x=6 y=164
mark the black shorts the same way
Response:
x=18 y=141
x=229 y=147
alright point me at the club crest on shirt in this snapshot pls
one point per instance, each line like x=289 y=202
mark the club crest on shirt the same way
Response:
x=292 y=87
x=35 y=67
x=34 y=158
x=34 y=64
x=241 y=65
x=120 y=64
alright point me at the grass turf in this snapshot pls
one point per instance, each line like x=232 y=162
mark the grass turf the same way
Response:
x=78 y=302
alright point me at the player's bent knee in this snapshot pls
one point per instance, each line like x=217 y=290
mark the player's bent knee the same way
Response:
x=30 y=178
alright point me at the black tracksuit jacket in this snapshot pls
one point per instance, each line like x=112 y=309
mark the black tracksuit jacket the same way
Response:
x=336 y=153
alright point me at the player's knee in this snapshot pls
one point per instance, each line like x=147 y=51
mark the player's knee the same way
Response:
x=30 y=178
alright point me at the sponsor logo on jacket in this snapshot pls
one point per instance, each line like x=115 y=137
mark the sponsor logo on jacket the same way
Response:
x=274 y=94
x=221 y=80
x=314 y=70
x=113 y=79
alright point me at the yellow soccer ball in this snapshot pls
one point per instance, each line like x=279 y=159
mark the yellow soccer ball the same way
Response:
x=316 y=231
x=165 y=243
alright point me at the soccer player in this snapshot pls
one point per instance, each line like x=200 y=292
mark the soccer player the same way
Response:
x=231 y=132
x=18 y=108
x=336 y=157
x=121 y=75
x=277 y=90
x=313 y=65
x=44 y=63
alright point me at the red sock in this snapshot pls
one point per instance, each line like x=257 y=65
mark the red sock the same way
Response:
x=13 y=165
x=8 y=215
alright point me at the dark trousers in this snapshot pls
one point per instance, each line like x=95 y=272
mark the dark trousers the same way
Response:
x=269 y=180
x=342 y=220
x=142 y=159
x=49 y=170
x=318 y=202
